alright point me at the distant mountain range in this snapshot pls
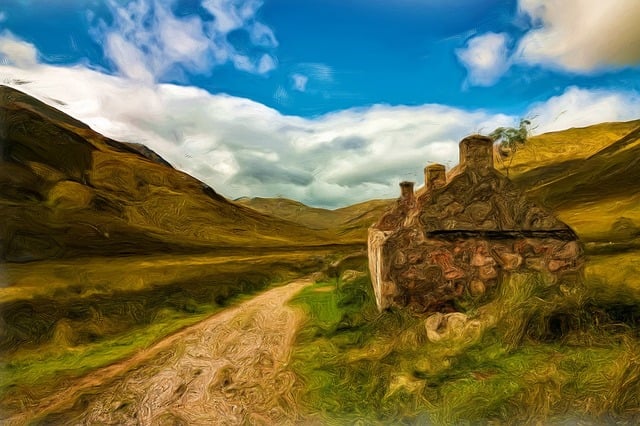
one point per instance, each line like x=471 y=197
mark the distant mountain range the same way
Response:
x=66 y=190
x=590 y=176
x=347 y=223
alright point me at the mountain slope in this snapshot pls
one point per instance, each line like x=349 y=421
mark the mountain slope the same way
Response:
x=557 y=147
x=347 y=224
x=66 y=190
x=590 y=176
x=593 y=192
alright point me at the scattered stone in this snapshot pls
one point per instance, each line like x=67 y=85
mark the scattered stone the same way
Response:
x=477 y=288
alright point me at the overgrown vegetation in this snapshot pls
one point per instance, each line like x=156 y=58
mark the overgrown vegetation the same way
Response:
x=510 y=140
x=62 y=320
x=541 y=352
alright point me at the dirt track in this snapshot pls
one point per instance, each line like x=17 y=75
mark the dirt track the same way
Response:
x=228 y=369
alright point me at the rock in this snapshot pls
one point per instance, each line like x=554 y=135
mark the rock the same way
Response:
x=570 y=250
x=487 y=272
x=555 y=265
x=445 y=326
x=509 y=261
x=477 y=288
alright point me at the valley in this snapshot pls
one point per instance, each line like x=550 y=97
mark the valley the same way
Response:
x=134 y=293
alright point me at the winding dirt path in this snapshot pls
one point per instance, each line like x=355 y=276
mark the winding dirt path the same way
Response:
x=228 y=369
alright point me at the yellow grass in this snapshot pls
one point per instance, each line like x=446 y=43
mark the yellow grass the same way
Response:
x=593 y=220
x=570 y=144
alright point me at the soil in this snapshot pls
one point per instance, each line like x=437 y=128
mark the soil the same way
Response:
x=228 y=369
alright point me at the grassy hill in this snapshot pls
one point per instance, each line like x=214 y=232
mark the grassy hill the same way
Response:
x=105 y=248
x=66 y=190
x=570 y=144
x=347 y=224
x=589 y=176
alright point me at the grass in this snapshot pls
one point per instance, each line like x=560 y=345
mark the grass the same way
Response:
x=347 y=224
x=56 y=361
x=593 y=221
x=88 y=277
x=544 y=352
x=64 y=319
x=571 y=144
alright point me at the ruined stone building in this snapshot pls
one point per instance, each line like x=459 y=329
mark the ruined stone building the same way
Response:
x=460 y=233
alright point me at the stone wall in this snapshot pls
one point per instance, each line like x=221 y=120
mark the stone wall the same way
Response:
x=461 y=232
x=429 y=274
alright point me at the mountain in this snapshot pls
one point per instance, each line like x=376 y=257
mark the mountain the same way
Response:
x=348 y=224
x=555 y=148
x=590 y=176
x=66 y=190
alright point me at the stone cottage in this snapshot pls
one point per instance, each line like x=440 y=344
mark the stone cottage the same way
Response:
x=461 y=232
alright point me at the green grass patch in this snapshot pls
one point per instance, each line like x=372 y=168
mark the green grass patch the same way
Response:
x=54 y=362
x=103 y=311
x=544 y=353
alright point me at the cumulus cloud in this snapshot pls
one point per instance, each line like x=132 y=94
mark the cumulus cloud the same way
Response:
x=17 y=52
x=577 y=36
x=581 y=35
x=485 y=57
x=147 y=42
x=580 y=107
x=243 y=148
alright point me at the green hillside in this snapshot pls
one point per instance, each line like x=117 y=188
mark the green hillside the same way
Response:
x=66 y=190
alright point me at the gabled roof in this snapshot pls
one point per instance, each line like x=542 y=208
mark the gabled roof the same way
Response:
x=474 y=198
x=482 y=202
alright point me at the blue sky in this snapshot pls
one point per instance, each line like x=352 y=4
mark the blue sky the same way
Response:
x=329 y=102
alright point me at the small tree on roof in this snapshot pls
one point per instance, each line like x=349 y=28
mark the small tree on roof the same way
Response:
x=510 y=139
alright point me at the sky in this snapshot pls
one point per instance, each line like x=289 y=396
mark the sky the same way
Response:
x=329 y=102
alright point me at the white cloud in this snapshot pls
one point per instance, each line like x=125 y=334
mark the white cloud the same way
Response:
x=578 y=36
x=485 y=57
x=266 y=64
x=580 y=107
x=581 y=35
x=299 y=82
x=243 y=148
x=17 y=52
x=147 y=42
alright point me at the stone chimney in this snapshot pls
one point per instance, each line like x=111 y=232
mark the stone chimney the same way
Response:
x=406 y=191
x=476 y=152
x=435 y=176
